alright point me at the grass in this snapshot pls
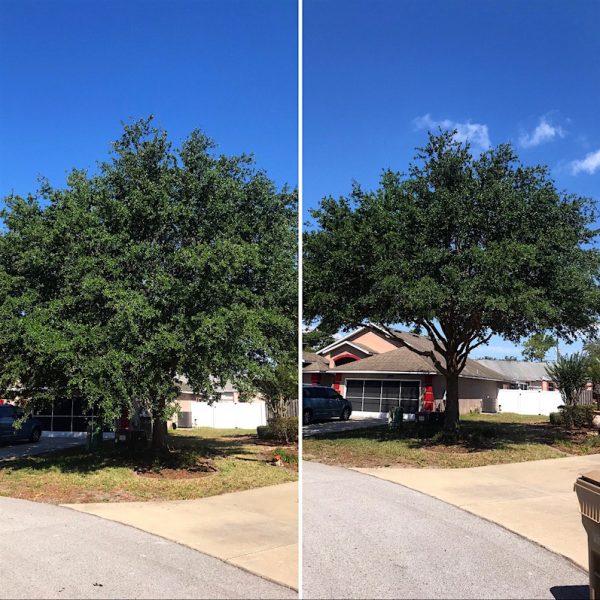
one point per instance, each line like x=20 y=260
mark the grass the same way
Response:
x=482 y=440
x=199 y=463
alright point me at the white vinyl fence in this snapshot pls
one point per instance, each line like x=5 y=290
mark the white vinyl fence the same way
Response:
x=528 y=402
x=229 y=415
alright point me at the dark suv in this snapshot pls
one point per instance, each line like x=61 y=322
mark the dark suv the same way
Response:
x=320 y=402
x=31 y=428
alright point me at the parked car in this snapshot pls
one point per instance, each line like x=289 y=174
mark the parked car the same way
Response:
x=320 y=402
x=31 y=428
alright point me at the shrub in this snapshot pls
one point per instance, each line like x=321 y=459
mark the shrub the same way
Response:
x=573 y=416
x=283 y=429
x=578 y=416
x=571 y=374
x=556 y=418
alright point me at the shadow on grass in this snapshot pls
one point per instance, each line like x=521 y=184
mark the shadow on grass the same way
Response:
x=472 y=436
x=182 y=452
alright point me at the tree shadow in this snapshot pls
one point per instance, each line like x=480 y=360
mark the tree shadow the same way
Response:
x=182 y=452
x=472 y=436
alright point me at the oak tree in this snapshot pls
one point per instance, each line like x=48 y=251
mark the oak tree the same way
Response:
x=463 y=246
x=164 y=262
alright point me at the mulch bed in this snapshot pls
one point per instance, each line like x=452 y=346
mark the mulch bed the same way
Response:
x=203 y=469
x=174 y=474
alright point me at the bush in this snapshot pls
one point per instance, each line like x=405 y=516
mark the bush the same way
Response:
x=556 y=418
x=573 y=416
x=284 y=429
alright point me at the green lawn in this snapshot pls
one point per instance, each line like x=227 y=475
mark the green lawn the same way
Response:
x=483 y=440
x=199 y=463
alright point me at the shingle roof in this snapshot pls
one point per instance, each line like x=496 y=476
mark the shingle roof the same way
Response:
x=516 y=370
x=314 y=362
x=404 y=360
x=401 y=360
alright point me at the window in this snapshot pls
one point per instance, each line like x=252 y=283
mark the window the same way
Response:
x=354 y=393
x=390 y=395
x=373 y=395
x=409 y=396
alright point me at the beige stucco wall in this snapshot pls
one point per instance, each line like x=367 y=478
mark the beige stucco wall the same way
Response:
x=373 y=341
x=468 y=389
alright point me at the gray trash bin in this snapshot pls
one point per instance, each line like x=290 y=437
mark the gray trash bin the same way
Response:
x=587 y=488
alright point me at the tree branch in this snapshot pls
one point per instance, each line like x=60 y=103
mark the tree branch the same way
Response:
x=469 y=349
x=434 y=336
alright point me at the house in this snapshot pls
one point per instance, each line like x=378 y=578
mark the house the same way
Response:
x=314 y=369
x=229 y=412
x=522 y=375
x=376 y=370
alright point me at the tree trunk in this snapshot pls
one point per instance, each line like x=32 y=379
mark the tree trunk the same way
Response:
x=452 y=413
x=159 y=434
x=159 y=427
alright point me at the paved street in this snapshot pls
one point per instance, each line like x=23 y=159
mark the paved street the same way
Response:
x=534 y=499
x=54 y=552
x=369 y=538
x=46 y=444
x=336 y=426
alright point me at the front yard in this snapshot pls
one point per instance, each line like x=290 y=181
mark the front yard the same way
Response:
x=483 y=440
x=199 y=463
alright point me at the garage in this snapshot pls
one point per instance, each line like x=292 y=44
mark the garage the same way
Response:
x=380 y=396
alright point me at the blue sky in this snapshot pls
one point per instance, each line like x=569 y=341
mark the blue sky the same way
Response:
x=71 y=71
x=378 y=73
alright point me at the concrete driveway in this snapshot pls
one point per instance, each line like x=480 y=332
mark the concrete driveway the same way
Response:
x=256 y=530
x=369 y=538
x=337 y=426
x=53 y=552
x=534 y=499
x=45 y=445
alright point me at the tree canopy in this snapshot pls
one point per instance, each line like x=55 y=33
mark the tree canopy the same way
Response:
x=316 y=339
x=462 y=246
x=537 y=346
x=167 y=261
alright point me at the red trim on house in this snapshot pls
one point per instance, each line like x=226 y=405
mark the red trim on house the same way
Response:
x=428 y=397
x=337 y=386
x=346 y=355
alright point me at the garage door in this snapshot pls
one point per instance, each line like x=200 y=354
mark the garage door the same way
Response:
x=372 y=395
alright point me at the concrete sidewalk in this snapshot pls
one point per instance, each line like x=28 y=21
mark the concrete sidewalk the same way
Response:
x=44 y=446
x=534 y=499
x=256 y=530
